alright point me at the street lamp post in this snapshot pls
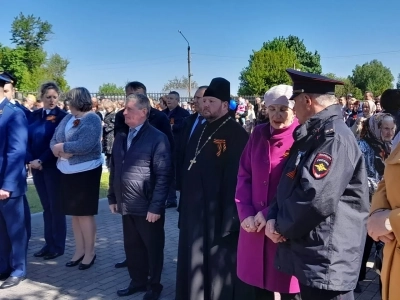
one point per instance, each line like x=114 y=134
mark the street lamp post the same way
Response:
x=188 y=58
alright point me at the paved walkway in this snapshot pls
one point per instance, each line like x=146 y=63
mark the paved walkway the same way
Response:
x=51 y=280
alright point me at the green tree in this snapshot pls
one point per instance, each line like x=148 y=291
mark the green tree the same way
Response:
x=30 y=33
x=347 y=88
x=55 y=68
x=307 y=60
x=266 y=68
x=179 y=84
x=110 y=89
x=12 y=60
x=372 y=76
x=28 y=61
x=398 y=82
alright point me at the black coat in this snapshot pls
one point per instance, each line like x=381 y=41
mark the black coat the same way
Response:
x=156 y=118
x=322 y=205
x=108 y=132
x=176 y=118
x=184 y=139
x=140 y=177
x=208 y=219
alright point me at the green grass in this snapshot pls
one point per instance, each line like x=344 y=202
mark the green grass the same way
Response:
x=36 y=206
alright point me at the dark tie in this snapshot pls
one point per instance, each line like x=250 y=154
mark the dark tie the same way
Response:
x=199 y=123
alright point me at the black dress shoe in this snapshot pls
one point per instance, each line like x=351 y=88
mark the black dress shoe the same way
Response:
x=40 y=253
x=74 y=263
x=131 y=290
x=11 y=281
x=122 y=264
x=51 y=255
x=152 y=295
x=87 y=266
x=4 y=276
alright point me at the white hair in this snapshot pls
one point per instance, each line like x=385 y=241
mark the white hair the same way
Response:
x=324 y=99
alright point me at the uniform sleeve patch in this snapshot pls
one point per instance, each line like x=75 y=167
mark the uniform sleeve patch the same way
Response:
x=321 y=165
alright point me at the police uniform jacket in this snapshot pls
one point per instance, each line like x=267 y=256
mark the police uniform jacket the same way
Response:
x=13 y=140
x=322 y=205
x=40 y=131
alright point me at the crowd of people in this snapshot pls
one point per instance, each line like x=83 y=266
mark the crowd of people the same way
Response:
x=276 y=196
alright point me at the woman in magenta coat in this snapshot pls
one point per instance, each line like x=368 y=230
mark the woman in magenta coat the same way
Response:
x=260 y=168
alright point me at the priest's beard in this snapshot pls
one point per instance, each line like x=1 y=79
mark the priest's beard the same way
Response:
x=214 y=116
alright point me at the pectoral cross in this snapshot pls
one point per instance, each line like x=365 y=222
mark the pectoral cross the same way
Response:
x=193 y=161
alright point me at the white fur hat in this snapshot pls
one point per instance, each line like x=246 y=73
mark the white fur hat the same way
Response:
x=279 y=94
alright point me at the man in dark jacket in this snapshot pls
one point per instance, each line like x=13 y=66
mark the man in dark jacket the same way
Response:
x=322 y=204
x=176 y=116
x=156 y=118
x=140 y=177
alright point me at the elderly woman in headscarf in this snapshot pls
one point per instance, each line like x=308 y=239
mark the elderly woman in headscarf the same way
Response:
x=260 y=169
x=375 y=143
x=368 y=109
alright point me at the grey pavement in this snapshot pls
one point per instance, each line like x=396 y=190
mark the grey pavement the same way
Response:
x=51 y=280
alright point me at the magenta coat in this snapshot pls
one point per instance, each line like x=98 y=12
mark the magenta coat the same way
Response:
x=260 y=169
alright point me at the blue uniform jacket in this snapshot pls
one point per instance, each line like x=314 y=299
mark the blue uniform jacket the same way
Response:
x=26 y=111
x=40 y=131
x=13 y=142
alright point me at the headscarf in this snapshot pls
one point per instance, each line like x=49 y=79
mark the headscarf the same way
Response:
x=372 y=134
x=372 y=108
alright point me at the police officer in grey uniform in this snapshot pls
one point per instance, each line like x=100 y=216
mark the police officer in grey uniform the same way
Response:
x=319 y=217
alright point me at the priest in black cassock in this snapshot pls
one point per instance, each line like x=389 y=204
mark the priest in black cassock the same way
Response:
x=209 y=223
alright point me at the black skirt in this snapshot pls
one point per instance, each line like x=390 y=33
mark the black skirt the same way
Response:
x=80 y=192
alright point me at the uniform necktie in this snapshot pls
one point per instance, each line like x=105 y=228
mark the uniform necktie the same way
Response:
x=131 y=135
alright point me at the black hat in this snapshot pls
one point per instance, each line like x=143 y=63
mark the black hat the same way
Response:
x=311 y=83
x=7 y=77
x=219 y=88
x=390 y=100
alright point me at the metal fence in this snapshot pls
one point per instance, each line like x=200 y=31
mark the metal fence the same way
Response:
x=114 y=97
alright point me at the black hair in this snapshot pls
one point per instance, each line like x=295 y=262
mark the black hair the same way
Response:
x=174 y=93
x=135 y=85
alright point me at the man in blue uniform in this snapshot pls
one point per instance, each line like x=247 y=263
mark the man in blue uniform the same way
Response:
x=9 y=92
x=319 y=218
x=13 y=233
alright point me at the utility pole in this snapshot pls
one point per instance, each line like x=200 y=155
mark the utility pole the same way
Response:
x=188 y=58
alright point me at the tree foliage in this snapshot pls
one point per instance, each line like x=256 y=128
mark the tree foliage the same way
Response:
x=110 y=89
x=307 y=60
x=347 y=88
x=266 y=69
x=55 y=68
x=179 y=84
x=372 y=76
x=398 y=82
x=28 y=61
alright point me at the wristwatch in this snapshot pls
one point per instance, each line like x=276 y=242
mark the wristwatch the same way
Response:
x=387 y=224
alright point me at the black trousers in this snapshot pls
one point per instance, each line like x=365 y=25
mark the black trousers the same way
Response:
x=369 y=242
x=144 y=249
x=309 y=293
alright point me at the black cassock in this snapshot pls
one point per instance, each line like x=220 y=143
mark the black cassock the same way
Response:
x=208 y=219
